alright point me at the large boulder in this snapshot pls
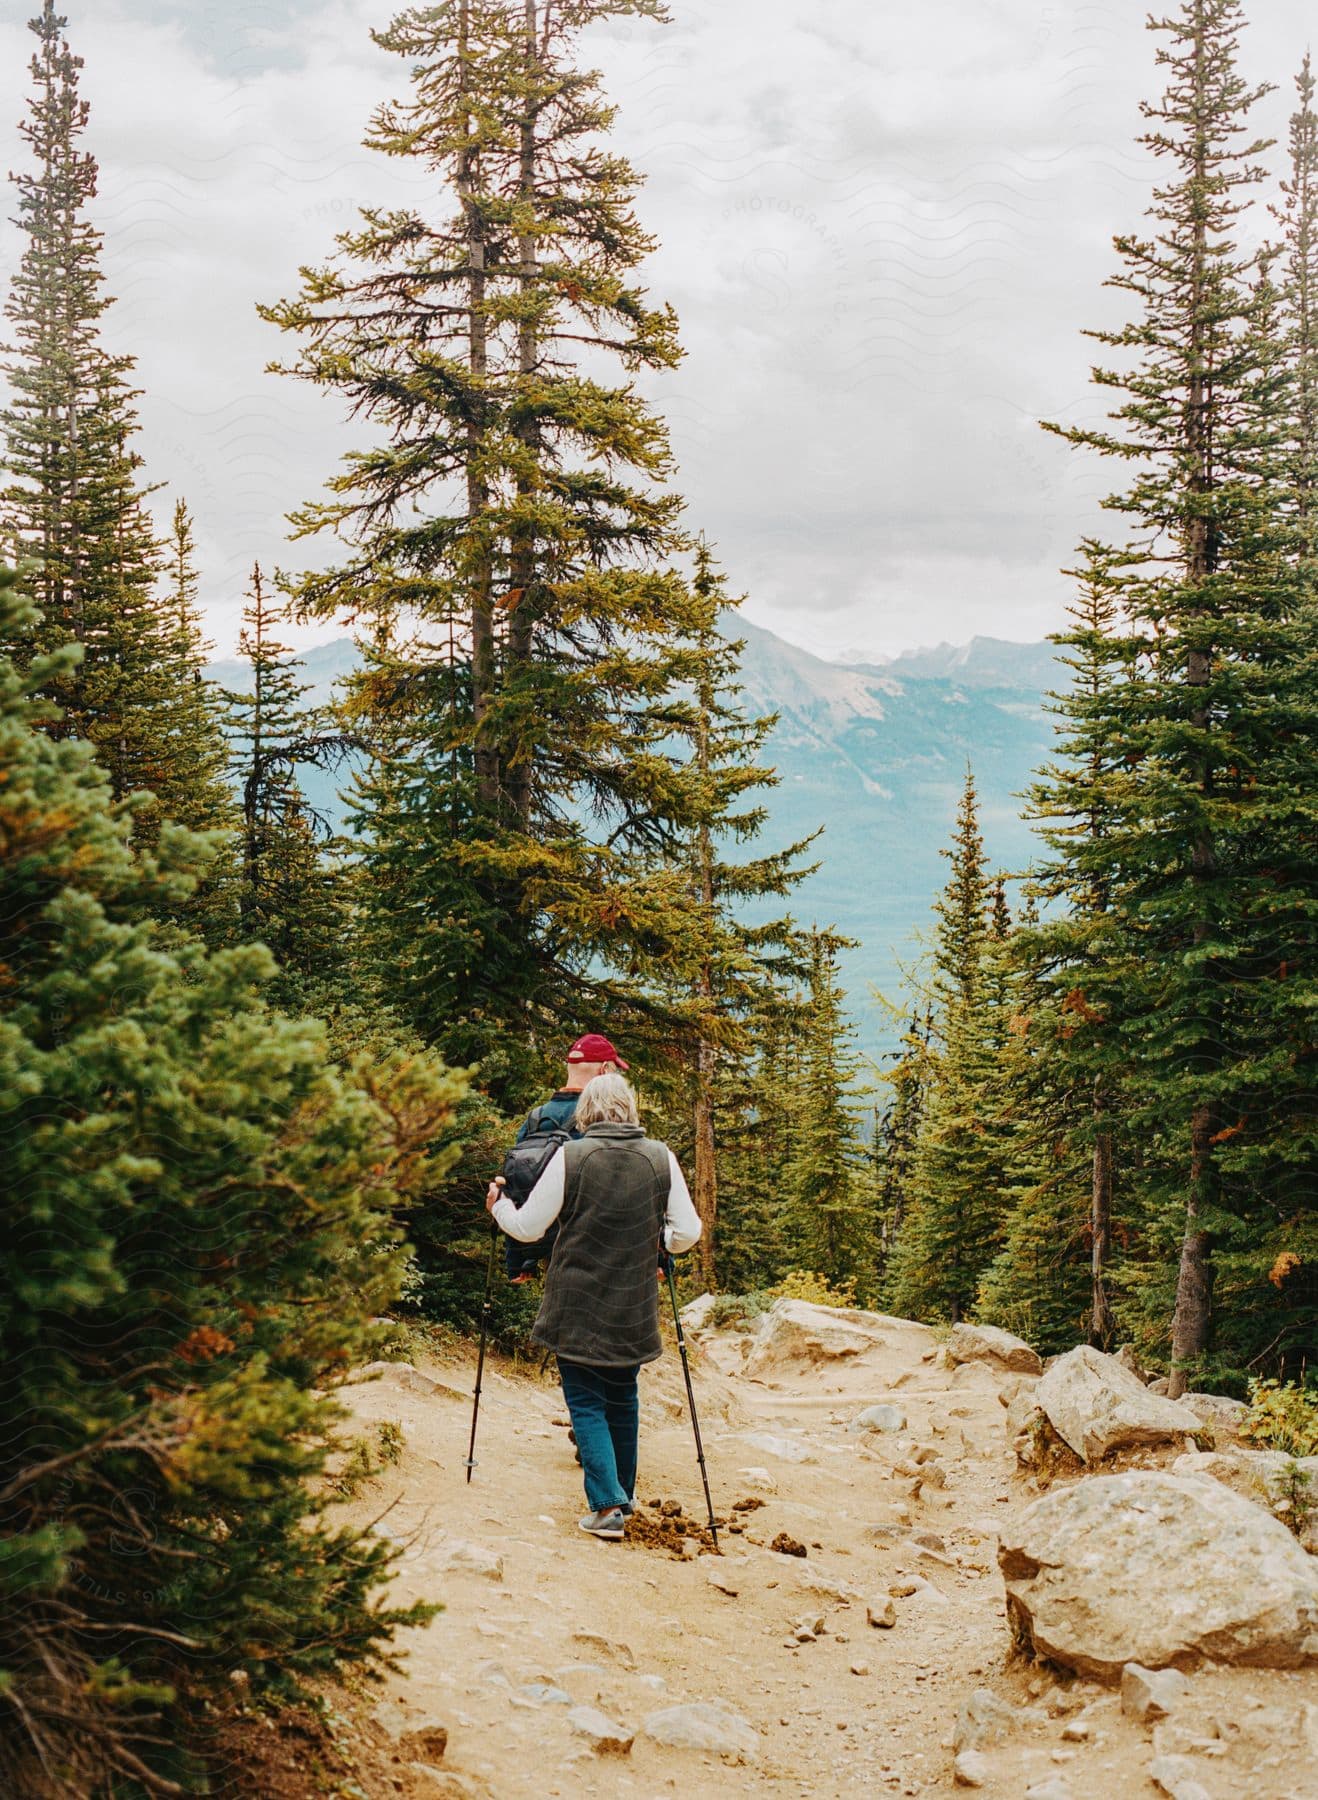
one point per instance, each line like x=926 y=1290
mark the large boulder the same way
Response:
x=986 y=1343
x=1157 y=1569
x=794 y=1333
x=1286 y=1485
x=1225 y=1416
x=1095 y=1405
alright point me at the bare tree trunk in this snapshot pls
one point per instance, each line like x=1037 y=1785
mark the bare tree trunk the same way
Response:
x=522 y=571
x=706 y=1175
x=1194 y=1280
x=1192 y=1318
x=1100 y=1221
x=485 y=755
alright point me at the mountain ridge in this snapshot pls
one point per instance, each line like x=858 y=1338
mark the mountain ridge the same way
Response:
x=876 y=753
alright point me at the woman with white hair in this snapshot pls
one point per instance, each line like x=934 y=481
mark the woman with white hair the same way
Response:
x=619 y=1198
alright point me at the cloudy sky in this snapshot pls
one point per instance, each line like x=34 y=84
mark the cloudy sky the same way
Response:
x=882 y=228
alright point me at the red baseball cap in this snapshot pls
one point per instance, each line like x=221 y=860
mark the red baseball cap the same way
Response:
x=594 y=1048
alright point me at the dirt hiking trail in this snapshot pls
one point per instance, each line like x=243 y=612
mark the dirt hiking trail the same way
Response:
x=545 y=1630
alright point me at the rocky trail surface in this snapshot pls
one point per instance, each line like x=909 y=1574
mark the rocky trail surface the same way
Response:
x=858 y=1634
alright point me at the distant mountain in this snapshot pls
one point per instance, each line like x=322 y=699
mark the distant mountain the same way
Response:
x=876 y=754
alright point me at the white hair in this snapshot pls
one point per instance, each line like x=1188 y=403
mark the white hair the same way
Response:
x=607 y=1100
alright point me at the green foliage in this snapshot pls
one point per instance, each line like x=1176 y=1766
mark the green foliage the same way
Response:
x=200 y=1219
x=522 y=812
x=1282 y=1416
x=953 y=1218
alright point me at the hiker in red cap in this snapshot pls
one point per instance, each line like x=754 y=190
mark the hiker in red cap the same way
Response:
x=590 y=1056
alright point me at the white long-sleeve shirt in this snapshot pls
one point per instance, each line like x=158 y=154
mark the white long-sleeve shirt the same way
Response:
x=531 y=1220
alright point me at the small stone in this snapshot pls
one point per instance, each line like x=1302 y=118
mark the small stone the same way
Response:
x=702 y=1726
x=1177 y=1777
x=760 y=1478
x=982 y=1719
x=929 y=1540
x=719 y=1576
x=881 y=1614
x=902 y=1590
x=879 y=1418
x=542 y=1693
x=1077 y=1731
x=804 y=1635
x=971 y=1769
x=425 y=1742
x=617 y=1652
x=860 y=1668
x=1148 y=1694
x=605 y=1738
x=787 y=1545
x=458 y=1556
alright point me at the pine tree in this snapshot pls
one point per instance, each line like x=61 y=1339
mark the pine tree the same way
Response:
x=74 y=501
x=828 y=1214
x=730 y=966
x=1084 y=963
x=198 y=1219
x=506 y=530
x=1299 y=220
x=1212 y=875
x=954 y=1211
x=287 y=895
x=897 y=1130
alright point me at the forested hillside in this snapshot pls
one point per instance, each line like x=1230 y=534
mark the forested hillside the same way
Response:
x=875 y=755
x=289 y=945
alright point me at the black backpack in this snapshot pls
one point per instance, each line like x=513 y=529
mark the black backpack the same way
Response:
x=523 y=1166
x=526 y=1162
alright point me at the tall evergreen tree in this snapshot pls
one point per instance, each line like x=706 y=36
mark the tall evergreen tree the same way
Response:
x=828 y=1220
x=1213 y=873
x=954 y=1212
x=507 y=530
x=74 y=501
x=287 y=890
x=198 y=1218
x=730 y=967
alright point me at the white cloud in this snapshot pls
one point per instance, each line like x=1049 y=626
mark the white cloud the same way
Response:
x=882 y=229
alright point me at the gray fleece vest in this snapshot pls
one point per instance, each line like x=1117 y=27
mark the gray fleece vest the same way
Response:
x=601 y=1298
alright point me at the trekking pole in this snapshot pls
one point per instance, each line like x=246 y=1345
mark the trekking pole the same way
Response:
x=480 y=1360
x=690 y=1394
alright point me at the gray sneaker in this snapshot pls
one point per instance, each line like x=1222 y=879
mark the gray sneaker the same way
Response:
x=607 y=1523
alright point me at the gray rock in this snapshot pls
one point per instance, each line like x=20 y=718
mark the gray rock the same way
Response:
x=785 y=1448
x=879 y=1418
x=1268 y=1476
x=457 y=1556
x=1224 y=1415
x=986 y=1343
x=1095 y=1405
x=1177 y=1776
x=542 y=1693
x=970 y=1769
x=1126 y=1356
x=604 y=1736
x=982 y=1719
x=1148 y=1694
x=695 y=1316
x=796 y=1332
x=1157 y=1569
x=701 y=1726
x=602 y=1646
x=400 y=1374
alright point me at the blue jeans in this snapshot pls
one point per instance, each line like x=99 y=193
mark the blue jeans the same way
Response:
x=605 y=1415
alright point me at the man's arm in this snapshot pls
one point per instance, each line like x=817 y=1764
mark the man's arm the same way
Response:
x=529 y=1222
x=682 y=1223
